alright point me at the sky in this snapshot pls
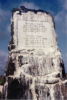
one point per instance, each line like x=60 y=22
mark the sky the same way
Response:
x=58 y=8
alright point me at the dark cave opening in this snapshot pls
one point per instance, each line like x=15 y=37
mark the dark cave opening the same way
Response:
x=63 y=69
x=10 y=68
x=18 y=90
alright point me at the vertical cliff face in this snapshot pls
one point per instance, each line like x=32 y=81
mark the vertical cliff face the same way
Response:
x=35 y=67
x=34 y=42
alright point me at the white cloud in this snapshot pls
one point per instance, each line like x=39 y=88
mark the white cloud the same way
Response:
x=3 y=57
x=61 y=17
x=30 y=5
x=65 y=4
x=4 y=21
x=2 y=53
x=65 y=61
x=61 y=21
x=9 y=28
x=3 y=15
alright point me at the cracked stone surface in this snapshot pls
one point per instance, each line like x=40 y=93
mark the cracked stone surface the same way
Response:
x=35 y=67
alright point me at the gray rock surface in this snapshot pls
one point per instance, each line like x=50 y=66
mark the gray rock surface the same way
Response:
x=35 y=68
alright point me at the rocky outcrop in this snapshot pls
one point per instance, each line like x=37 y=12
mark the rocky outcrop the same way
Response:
x=35 y=67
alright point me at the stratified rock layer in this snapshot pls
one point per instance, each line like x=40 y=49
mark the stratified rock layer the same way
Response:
x=35 y=68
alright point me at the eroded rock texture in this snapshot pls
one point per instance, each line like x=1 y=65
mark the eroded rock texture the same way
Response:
x=35 y=68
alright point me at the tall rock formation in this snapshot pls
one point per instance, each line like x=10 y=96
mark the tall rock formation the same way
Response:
x=35 y=68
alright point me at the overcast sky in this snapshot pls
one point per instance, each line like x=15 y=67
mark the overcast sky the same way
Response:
x=58 y=8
